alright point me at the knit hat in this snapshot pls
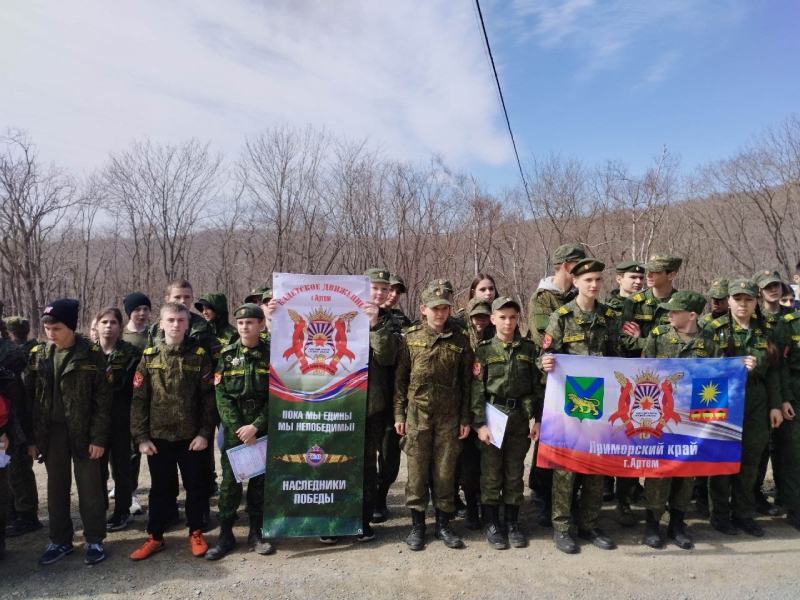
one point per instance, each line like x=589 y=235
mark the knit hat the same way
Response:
x=65 y=310
x=134 y=301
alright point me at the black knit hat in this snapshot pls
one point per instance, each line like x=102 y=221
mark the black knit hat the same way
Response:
x=134 y=301
x=65 y=310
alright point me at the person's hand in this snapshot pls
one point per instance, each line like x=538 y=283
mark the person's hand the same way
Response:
x=271 y=306
x=463 y=432
x=371 y=310
x=788 y=411
x=775 y=418
x=4 y=440
x=400 y=428
x=534 y=434
x=632 y=329
x=485 y=435
x=247 y=434
x=96 y=452
x=199 y=443
x=548 y=363
x=33 y=452
x=147 y=448
x=749 y=362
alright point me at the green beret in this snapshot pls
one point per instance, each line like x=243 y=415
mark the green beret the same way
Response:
x=378 y=275
x=442 y=283
x=685 y=300
x=436 y=296
x=504 y=301
x=267 y=295
x=588 y=265
x=479 y=306
x=743 y=286
x=629 y=266
x=249 y=311
x=719 y=288
x=663 y=261
x=766 y=277
x=396 y=280
x=19 y=325
x=256 y=294
x=569 y=253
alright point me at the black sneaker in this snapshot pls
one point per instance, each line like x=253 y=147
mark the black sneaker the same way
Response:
x=119 y=521
x=749 y=526
x=367 y=534
x=724 y=525
x=95 y=553
x=765 y=507
x=54 y=553
x=329 y=539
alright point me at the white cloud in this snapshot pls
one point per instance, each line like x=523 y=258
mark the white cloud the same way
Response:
x=86 y=77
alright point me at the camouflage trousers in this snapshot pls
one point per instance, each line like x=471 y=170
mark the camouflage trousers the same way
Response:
x=468 y=468
x=503 y=469
x=230 y=492
x=589 y=505
x=787 y=469
x=675 y=490
x=432 y=447
x=22 y=482
x=388 y=452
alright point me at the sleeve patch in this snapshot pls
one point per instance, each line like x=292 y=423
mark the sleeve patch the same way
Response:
x=563 y=311
x=547 y=341
x=138 y=379
x=476 y=369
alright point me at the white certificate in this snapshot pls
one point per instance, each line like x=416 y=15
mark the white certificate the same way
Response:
x=496 y=421
x=249 y=461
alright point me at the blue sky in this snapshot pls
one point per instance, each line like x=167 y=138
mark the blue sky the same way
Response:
x=590 y=79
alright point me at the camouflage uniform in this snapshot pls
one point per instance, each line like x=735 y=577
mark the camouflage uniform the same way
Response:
x=787 y=436
x=12 y=398
x=199 y=330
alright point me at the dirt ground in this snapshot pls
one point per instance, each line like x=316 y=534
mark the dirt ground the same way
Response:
x=719 y=567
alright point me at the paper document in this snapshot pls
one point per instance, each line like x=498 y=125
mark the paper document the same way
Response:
x=496 y=422
x=249 y=461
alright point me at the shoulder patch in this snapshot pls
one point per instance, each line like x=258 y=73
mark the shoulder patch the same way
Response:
x=36 y=348
x=790 y=316
x=637 y=297
x=716 y=323
x=416 y=327
x=199 y=351
x=610 y=312
x=228 y=347
x=563 y=311
x=150 y=350
x=656 y=331
x=484 y=342
x=95 y=348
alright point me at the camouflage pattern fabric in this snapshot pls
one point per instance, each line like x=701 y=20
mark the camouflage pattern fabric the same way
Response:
x=643 y=309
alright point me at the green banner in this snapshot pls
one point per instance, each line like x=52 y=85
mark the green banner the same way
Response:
x=317 y=406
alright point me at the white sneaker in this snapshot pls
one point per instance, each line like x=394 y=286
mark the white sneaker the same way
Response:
x=136 y=508
x=111 y=494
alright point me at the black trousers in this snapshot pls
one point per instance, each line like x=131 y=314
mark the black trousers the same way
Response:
x=118 y=454
x=164 y=467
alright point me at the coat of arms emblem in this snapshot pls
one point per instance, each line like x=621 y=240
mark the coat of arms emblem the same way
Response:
x=319 y=341
x=646 y=405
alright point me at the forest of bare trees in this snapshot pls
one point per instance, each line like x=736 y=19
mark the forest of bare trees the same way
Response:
x=302 y=200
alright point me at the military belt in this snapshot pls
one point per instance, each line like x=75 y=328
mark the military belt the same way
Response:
x=510 y=403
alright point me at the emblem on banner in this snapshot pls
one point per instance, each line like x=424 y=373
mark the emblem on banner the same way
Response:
x=583 y=397
x=319 y=341
x=709 y=399
x=314 y=457
x=646 y=405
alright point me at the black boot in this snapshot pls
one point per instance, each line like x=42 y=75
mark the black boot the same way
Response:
x=793 y=518
x=225 y=543
x=764 y=506
x=380 y=512
x=677 y=530
x=472 y=520
x=516 y=538
x=416 y=539
x=598 y=538
x=565 y=542
x=608 y=489
x=24 y=523
x=491 y=527
x=542 y=503
x=444 y=531
x=652 y=531
x=254 y=539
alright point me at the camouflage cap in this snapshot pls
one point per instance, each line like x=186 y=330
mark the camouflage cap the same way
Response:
x=435 y=296
x=479 y=306
x=19 y=325
x=663 y=261
x=378 y=275
x=442 y=283
x=396 y=280
x=504 y=301
x=255 y=294
x=588 y=265
x=719 y=288
x=630 y=266
x=569 y=253
x=767 y=277
x=685 y=300
x=248 y=310
x=743 y=286
x=267 y=295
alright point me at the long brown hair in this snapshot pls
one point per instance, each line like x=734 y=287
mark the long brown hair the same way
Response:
x=773 y=354
x=478 y=278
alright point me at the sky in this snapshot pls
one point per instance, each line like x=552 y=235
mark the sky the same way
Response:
x=587 y=79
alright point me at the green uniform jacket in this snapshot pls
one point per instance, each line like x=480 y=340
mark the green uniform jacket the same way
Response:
x=664 y=342
x=28 y=345
x=792 y=325
x=615 y=301
x=476 y=337
x=506 y=370
x=173 y=394
x=12 y=365
x=123 y=360
x=138 y=339
x=573 y=331
x=199 y=330
x=384 y=340
x=400 y=318
x=86 y=392
x=242 y=387
x=643 y=309
x=434 y=373
x=544 y=303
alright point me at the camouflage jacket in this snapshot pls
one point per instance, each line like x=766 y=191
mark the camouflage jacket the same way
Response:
x=28 y=345
x=614 y=301
x=573 y=331
x=242 y=387
x=543 y=303
x=643 y=309
x=504 y=371
x=85 y=390
x=199 y=330
x=123 y=361
x=434 y=373
x=706 y=319
x=12 y=365
x=476 y=337
x=173 y=394
x=400 y=318
x=664 y=342
x=384 y=339
x=792 y=325
x=137 y=339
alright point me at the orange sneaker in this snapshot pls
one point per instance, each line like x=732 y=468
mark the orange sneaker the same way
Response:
x=198 y=542
x=147 y=549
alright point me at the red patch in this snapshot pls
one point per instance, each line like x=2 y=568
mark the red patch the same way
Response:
x=476 y=369
x=217 y=378
x=547 y=341
x=138 y=379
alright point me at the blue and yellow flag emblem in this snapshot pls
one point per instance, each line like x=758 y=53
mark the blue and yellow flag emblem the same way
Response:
x=583 y=397
x=709 y=399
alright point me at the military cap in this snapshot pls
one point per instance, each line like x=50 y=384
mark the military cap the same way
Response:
x=19 y=325
x=436 y=296
x=503 y=301
x=743 y=286
x=442 y=283
x=685 y=300
x=255 y=294
x=64 y=310
x=588 y=265
x=396 y=280
x=663 y=261
x=378 y=275
x=719 y=288
x=766 y=277
x=479 y=306
x=267 y=295
x=569 y=253
x=249 y=310
x=630 y=266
